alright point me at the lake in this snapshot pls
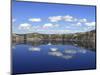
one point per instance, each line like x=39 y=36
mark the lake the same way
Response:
x=51 y=56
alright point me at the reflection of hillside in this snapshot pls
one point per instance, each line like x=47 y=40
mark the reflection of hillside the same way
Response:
x=83 y=39
x=85 y=44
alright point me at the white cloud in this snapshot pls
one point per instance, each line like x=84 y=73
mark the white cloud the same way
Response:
x=35 y=19
x=92 y=24
x=24 y=26
x=75 y=19
x=79 y=24
x=55 y=18
x=65 y=18
x=69 y=18
x=49 y=25
x=83 y=20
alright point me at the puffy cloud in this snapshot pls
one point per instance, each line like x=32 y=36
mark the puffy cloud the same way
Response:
x=24 y=26
x=92 y=24
x=79 y=24
x=83 y=20
x=35 y=19
x=69 y=18
x=49 y=25
x=55 y=18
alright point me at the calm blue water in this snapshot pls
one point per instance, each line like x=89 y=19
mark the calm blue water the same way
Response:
x=47 y=58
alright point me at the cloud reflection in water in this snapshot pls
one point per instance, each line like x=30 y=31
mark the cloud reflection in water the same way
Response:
x=66 y=54
x=34 y=49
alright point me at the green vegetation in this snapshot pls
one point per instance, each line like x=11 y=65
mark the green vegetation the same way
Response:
x=83 y=36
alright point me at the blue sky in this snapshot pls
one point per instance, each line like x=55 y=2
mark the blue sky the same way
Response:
x=29 y=17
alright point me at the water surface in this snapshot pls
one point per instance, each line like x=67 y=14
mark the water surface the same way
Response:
x=33 y=57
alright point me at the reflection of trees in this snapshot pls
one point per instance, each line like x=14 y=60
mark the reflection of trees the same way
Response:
x=85 y=44
x=86 y=39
